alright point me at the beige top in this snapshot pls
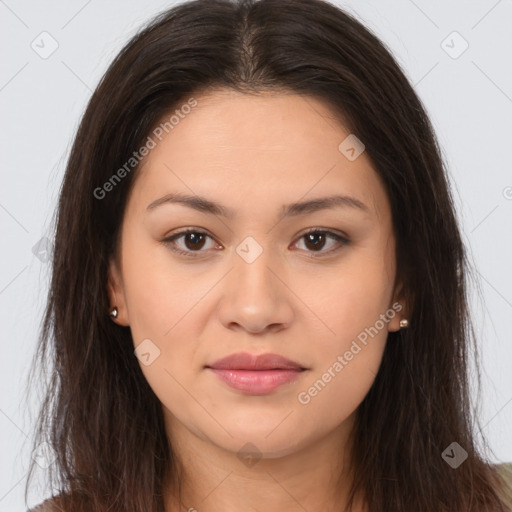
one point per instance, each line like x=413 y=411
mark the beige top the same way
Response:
x=506 y=471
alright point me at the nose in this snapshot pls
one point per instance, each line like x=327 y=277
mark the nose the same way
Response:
x=255 y=296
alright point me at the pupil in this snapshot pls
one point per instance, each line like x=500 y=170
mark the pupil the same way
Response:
x=195 y=237
x=313 y=236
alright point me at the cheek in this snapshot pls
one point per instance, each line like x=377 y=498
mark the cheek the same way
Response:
x=346 y=363
x=159 y=293
x=352 y=306
x=350 y=298
x=161 y=300
x=335 y=392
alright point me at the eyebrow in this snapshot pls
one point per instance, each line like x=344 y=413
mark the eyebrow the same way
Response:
x=205 y=205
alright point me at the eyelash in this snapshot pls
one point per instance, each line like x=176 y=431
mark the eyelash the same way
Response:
x=170 y=241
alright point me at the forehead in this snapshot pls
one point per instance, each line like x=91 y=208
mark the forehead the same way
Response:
x=224 y=119
x=280 y=146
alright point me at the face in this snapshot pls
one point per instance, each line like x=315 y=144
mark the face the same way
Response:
x=253 y=276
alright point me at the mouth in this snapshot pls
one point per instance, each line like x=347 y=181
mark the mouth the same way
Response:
x=246 y=361
x=256 y=375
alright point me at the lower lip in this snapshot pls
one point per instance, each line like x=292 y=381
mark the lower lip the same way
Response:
x=256 y=382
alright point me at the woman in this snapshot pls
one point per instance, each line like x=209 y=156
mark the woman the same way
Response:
x=259 y=297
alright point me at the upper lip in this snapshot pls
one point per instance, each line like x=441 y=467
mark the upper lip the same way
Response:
x=245 y=361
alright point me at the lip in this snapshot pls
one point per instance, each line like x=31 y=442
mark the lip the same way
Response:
x=245 y=361
x=256 y=375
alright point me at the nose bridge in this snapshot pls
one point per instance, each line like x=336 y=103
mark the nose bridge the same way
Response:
x=253 y=278
x=255 y=298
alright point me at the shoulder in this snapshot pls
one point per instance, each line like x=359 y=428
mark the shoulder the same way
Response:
x=505 y=471
x=49 y=505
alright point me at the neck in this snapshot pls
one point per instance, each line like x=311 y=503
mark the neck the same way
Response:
x=209 y=478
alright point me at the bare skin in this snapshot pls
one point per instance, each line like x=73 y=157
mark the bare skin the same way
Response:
x=307 y=301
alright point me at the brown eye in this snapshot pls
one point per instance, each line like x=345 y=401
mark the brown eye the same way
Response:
x=316 y=240
x=193 y=241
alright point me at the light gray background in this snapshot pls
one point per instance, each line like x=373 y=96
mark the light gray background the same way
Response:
x=469 y=99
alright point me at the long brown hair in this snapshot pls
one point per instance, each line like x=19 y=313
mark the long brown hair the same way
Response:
x=100 y=417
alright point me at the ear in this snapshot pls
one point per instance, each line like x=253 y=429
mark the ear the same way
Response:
x=400 y=306
x=116 y=294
